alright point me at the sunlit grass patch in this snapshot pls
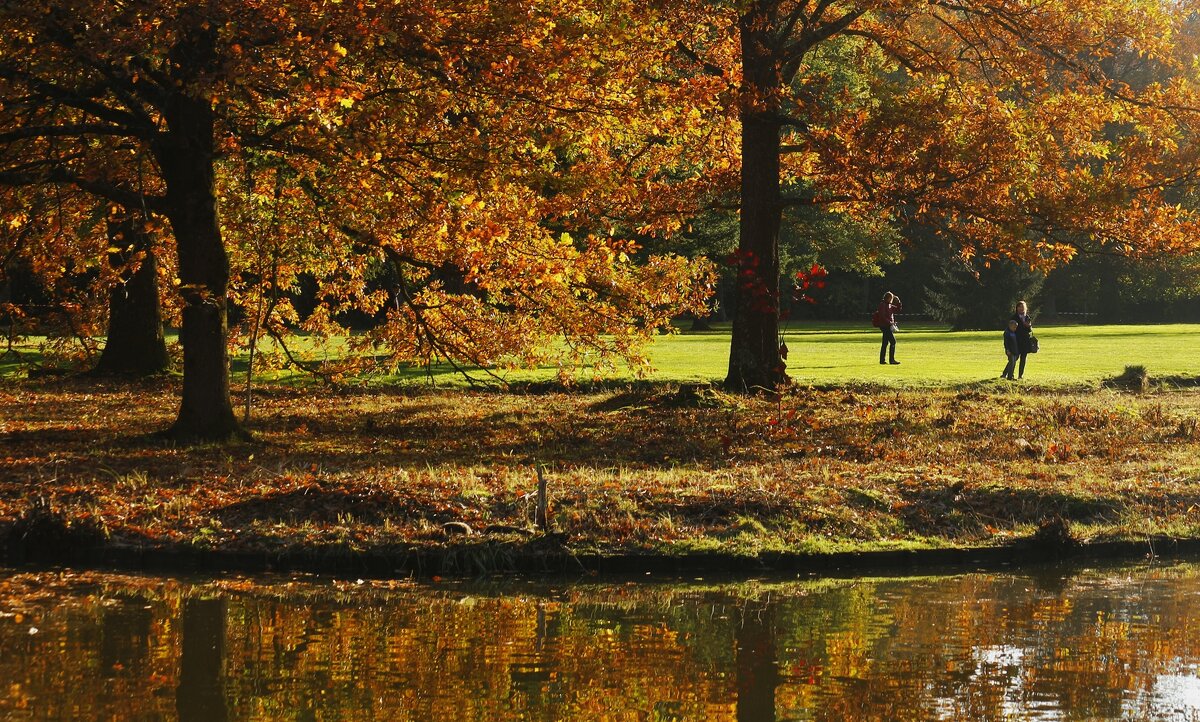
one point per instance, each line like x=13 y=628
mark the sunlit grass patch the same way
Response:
x=932 y=355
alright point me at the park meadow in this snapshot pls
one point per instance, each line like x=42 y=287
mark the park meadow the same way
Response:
x=935 y=453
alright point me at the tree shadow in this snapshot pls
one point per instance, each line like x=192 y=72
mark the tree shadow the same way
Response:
x=322 y=506
x=970 y=510
x=1178 y=381
x=581 y=437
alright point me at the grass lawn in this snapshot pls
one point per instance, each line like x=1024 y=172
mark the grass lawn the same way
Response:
x=835 y=353
x=825 y=354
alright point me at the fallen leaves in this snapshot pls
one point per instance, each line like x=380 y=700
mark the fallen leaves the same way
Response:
x=643 y=468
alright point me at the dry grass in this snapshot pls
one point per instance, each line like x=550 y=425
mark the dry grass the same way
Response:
x=656 y=468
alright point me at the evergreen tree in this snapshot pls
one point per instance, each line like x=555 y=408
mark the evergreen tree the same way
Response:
x=979 y=294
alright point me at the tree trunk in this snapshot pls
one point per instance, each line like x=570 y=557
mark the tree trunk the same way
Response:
x=754 y=358
x=185 y=153
x=201 y=691
x=135 y=344
x=757 y=673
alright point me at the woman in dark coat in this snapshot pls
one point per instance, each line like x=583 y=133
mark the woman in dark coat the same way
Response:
x=886 y=314
x=1024 y=332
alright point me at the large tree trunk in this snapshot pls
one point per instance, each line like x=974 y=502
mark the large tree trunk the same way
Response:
x=757 y=673
x=201 y=691
x=754 y=357
x=135 y=344
x=185 y=153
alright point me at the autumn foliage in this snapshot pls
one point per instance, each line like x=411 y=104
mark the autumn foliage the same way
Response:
x=468 y=174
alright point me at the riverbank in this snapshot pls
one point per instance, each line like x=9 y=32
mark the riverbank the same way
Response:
x=653 y=477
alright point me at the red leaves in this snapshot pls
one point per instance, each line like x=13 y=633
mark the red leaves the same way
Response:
x=812 y=279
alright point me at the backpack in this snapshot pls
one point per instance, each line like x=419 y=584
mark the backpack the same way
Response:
x=877 y=319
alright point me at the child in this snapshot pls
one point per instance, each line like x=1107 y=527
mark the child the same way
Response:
x=1010 y=349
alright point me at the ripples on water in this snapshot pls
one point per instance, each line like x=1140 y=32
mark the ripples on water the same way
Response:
x=1117 y=643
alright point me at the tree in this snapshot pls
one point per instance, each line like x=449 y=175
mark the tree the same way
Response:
x=985 y=120
x=53 y=247
x=1104 y=288
x=135 y=343
x=124 y=102
x=979 y=294
x=523 y=229
x=483 y=155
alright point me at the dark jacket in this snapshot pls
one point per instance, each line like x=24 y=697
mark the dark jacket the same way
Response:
x=1010 y=342
x=1024 y=331
x=887 y=313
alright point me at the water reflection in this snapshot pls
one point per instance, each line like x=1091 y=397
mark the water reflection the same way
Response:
x=1083 y=644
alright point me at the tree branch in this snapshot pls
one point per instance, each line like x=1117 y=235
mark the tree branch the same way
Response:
x=693 y=56
x=63 y=131
x=793 y=52
x=84 y=99
x=110 y=191
x=808 y=201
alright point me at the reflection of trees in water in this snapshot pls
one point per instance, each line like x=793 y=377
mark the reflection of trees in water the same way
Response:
x=201 y=692
x=756 y=672
x=985 y=647
x=126 y=632
x=1102 y=645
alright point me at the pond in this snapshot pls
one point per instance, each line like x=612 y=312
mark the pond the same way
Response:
x=1091 y=643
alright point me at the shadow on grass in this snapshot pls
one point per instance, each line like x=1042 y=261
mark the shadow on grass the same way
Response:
x=727 y=505
x=504 y=437
x=971 y=509
x=321 y=506
x=12 y=360
x=1177 y=381
x=115 y=438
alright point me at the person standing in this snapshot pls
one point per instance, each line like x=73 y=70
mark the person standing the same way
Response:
x=1024 y=332
x=1011 y=349
x=886 y=313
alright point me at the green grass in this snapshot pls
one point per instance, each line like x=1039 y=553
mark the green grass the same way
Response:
x=931 y=355
x=12 y=362
x=831 y=354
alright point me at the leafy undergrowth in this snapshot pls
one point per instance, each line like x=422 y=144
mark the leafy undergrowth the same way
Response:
x=647 y=469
